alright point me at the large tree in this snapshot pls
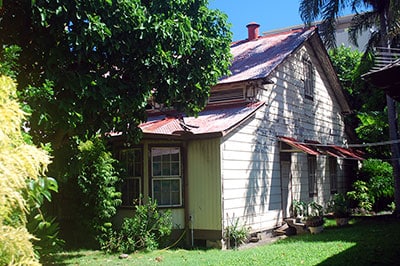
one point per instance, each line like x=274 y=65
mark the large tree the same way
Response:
x=88 y=67
x=384 y=15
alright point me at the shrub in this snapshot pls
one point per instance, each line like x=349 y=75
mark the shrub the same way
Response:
x=146 y=230
x=44 y=228
x=375 y=189
x=361 y=195
x=19 y=162
x=380 y=182
x=235 y=233
x=97 y=181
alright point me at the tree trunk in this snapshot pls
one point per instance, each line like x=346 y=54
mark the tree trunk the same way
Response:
x=393 y=133
x=391 y=106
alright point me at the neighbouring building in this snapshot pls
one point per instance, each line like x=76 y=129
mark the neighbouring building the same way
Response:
x=341 y=34
x=273 y=131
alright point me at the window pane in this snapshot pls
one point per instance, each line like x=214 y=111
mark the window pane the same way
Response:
x=166 y=162
x=166 y=165
x=157 y=169
x=167 y=192
x=156 y=158
x=157 y=197
x=175 y=168
x=166 y=171
x=165 y=158
x=130 y=191
x=175 y=156
x=175 y=199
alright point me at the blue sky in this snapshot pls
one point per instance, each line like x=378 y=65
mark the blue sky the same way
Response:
x=270 y=14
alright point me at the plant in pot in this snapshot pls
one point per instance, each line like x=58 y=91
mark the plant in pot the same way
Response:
x=314 y=219
x=339 y=207
x=300 y=210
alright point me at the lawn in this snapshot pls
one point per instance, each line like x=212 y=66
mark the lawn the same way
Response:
x=366 y=241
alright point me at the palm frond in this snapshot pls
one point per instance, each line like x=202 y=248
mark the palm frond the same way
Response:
x=310 y=10
x=361 y=23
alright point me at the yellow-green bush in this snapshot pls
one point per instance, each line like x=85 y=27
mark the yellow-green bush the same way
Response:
x=18 y=162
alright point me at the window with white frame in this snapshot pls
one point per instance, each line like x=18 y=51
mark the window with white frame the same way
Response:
x=166 y=172
x=312 y=178
x=131 y=187
x=309 y=78
x=333 y=174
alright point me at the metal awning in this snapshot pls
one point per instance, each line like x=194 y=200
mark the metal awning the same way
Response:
x=298 y=147
x=316 y=148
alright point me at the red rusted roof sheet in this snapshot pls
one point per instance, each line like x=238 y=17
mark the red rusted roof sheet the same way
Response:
x=316 y=148
x=300 y=146
x=212 y=120
x=258 y=58
x=345 y=152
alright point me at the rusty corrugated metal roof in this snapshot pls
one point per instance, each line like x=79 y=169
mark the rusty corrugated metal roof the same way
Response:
x=316 y=148
x=213 y=120
x=258 y=58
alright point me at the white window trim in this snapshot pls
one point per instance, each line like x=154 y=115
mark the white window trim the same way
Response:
x=163 y=179
x=167 y=177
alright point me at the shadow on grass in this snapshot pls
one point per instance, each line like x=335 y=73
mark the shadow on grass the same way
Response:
x=59 y=258
x=376 y=239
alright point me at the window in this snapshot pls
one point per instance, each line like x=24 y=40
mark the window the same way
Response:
x=333 y=174
x=312 y=179
x=309 y=79
x=131 y=160
x=166 y=176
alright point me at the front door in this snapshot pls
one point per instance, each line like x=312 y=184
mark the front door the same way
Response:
x=286 y=188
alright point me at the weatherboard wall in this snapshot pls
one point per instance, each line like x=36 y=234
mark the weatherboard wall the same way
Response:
x=251 y=176
x=204 y=187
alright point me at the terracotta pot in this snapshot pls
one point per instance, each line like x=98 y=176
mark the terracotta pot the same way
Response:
x=316 y=229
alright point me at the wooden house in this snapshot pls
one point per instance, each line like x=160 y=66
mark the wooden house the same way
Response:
x=273 y=131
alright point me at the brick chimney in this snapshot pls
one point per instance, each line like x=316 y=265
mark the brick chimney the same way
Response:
x=252 y=29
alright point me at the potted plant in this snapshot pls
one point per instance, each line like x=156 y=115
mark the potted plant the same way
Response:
x=300 y=209
x=339 y=206
x=314 y=217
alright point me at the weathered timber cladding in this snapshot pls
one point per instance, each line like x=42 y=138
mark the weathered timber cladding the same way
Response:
x=204 y=184
x=250 y=167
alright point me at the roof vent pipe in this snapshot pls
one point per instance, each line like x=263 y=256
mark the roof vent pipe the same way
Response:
x=252 y=29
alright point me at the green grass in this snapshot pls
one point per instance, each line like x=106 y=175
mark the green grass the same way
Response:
x=366 y=241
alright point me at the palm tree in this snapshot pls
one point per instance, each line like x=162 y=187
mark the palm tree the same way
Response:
x=384 y=15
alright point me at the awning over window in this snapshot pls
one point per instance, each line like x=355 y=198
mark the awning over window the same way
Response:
x=298 y=147
x=316 y=148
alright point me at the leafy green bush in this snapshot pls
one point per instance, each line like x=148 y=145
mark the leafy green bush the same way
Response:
x=375 y=189
x=361 y=195
x=380 y=177
x=146 y=230
x=44 y=228
x=97 y=180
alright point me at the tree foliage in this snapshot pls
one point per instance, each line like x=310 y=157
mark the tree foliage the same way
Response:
x=368 y=15
x=19 y=162
x=88 y=67
x=369 y=117
x=375 y=189
x=346 y=63
x=91 y=65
